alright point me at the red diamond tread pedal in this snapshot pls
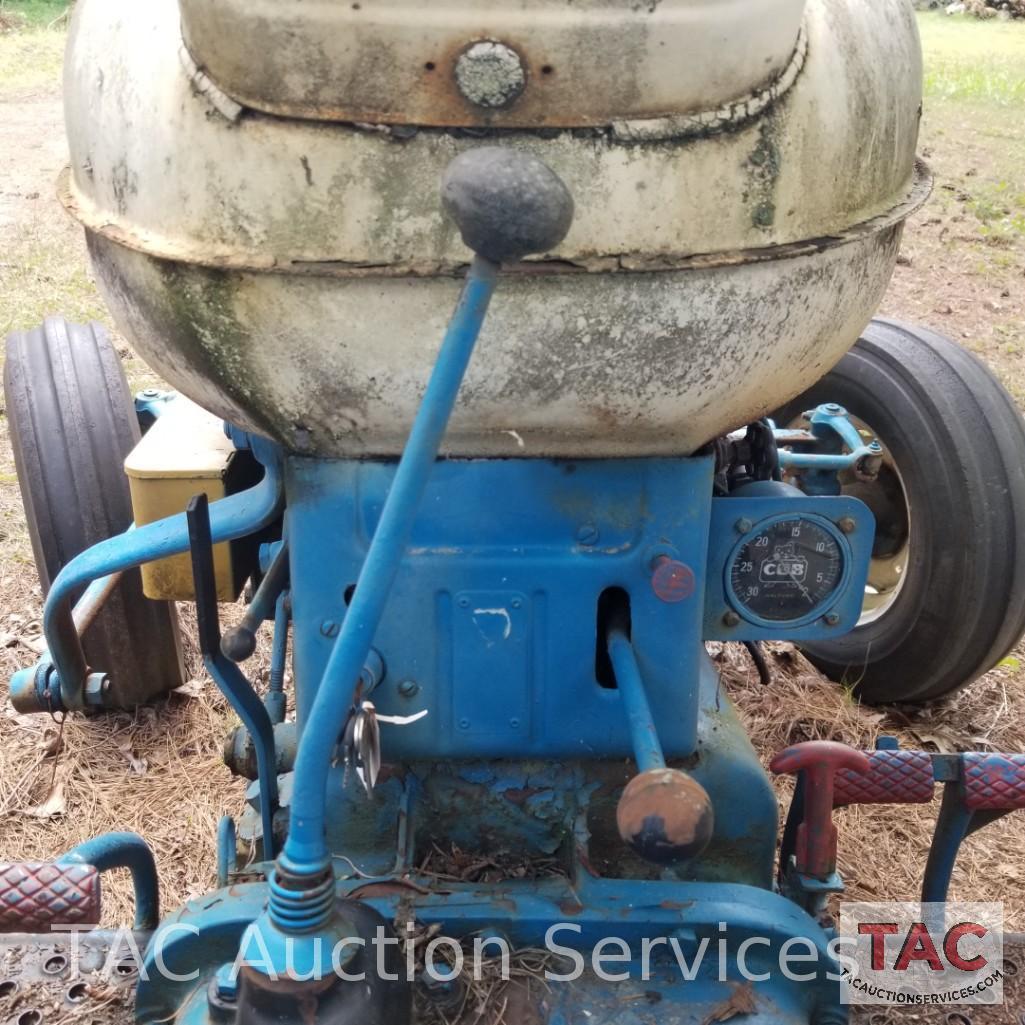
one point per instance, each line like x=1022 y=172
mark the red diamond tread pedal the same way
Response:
x=35 y=896
x=894 y=777
x=993 y=782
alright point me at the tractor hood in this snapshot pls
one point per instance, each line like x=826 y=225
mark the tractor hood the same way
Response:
x=479 y=63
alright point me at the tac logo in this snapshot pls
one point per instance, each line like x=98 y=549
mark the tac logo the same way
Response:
x=918 y=944
x=922 y=954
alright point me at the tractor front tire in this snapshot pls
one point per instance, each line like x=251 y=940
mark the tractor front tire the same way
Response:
x=72 y=422
x=950 y=503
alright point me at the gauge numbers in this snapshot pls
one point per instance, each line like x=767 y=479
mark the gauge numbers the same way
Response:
x=787 y=570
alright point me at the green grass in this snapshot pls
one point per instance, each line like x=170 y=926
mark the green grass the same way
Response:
x=34 y=12
x=970 y=60
x=975 y=124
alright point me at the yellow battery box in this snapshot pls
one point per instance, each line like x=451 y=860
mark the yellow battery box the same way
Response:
x=185 y=452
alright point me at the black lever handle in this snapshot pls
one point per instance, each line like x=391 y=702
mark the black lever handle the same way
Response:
x=506 y=203
x=228 y=677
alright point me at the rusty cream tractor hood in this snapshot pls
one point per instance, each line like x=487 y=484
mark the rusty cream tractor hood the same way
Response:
x=565 y=64
x=259 y=184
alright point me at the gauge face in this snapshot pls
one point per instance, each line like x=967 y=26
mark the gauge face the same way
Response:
x=787 y=570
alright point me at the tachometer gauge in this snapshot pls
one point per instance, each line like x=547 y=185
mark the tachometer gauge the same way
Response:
x=788 y=569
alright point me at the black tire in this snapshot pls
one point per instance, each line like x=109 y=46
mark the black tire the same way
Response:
x=958 y=443
x=72 y=422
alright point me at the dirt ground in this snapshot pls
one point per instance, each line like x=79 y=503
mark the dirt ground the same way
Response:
x=159 y=771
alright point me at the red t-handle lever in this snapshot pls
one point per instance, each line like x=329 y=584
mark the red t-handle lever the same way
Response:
x=819 y=760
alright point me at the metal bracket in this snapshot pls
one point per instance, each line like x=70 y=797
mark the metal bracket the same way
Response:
x=818 y=454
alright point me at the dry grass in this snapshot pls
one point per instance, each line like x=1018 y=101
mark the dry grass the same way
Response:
x=157 y=772
x=30 y=55
x=499 y=990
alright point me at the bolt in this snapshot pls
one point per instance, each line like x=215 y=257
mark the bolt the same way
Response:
x=329 y=628
x=409 y=688
x=443 y=991
x=847 y=524
x=464 y=603
x=464 y=724
x=151 y=393
x=490 y=75
x=226 y=984
x=743 y=526
x=833 y=409
x=588 y=534
x=517 y=603
x=874 y=446
x=514 y=723
x=731 y=619
x=97 y=687
x=831 y=618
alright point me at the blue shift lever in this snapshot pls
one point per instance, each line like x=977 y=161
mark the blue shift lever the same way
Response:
x=507 y=205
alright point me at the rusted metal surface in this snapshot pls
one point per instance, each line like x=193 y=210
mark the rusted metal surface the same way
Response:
x=725 y=118
x=78 y=976
x=819 y=761
x=292 y=276
x=164 y=248
x=398 y=61
x=273 y=194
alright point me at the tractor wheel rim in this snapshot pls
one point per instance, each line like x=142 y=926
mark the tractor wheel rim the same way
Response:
x=887 y=571
x=887 y=497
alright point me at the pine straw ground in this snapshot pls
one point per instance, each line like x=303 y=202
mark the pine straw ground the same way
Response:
x=159 y=772
x=883 y=849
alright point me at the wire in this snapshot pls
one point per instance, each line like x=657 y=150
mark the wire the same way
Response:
x=754 y=649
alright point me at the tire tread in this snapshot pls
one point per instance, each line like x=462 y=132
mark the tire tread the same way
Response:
x=954 y=412
x=72 y=423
